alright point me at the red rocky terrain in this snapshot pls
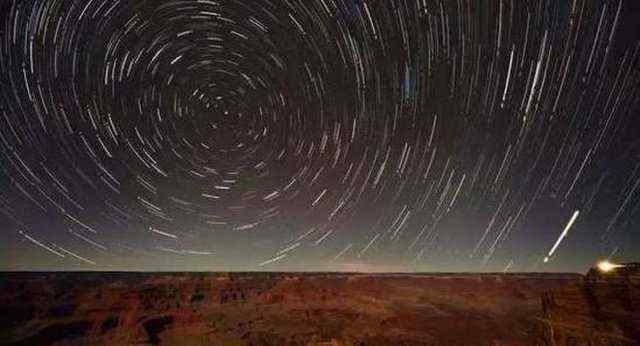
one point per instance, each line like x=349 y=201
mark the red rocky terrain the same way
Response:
x=603 y=309
x=281 y=308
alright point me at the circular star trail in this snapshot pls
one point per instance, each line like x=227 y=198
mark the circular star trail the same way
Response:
x=319 y=134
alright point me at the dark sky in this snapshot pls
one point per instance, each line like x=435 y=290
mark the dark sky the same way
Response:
x=402 y=135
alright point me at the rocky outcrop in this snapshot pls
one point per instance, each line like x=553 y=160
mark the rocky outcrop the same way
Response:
x=603 y=309
x=272 y=308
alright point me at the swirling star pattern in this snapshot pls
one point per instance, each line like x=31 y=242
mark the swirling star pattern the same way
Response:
x=318 y=134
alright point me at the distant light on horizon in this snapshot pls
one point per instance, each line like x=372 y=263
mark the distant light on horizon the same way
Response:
x=606 y=266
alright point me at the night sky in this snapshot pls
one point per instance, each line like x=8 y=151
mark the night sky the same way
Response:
x=358 y=135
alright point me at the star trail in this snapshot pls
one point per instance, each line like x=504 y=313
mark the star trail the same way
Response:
x=424 y=135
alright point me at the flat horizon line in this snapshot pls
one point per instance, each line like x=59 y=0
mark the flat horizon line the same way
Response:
x=277 y=272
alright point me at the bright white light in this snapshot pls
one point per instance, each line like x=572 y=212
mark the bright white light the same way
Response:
x=562 y=235
x=606 y=266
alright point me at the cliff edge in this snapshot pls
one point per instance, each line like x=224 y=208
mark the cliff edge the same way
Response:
x=603 y=309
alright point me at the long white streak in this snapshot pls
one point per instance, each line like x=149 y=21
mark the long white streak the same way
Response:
x=455 y=196
x=424 y=228
x=76 y=256
x=493 y=220
x=342 y=252
x=319 y=197
x=90 y=241
x=272 y=260
x=368 y=245
x=41 y=244
x=311 y=230
x=287 y=249
x=506 y=86
x=433 y=129
x=323 y=238
x=562 y=235
x=194 y=252
x=537 y=75
x=154 y=230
